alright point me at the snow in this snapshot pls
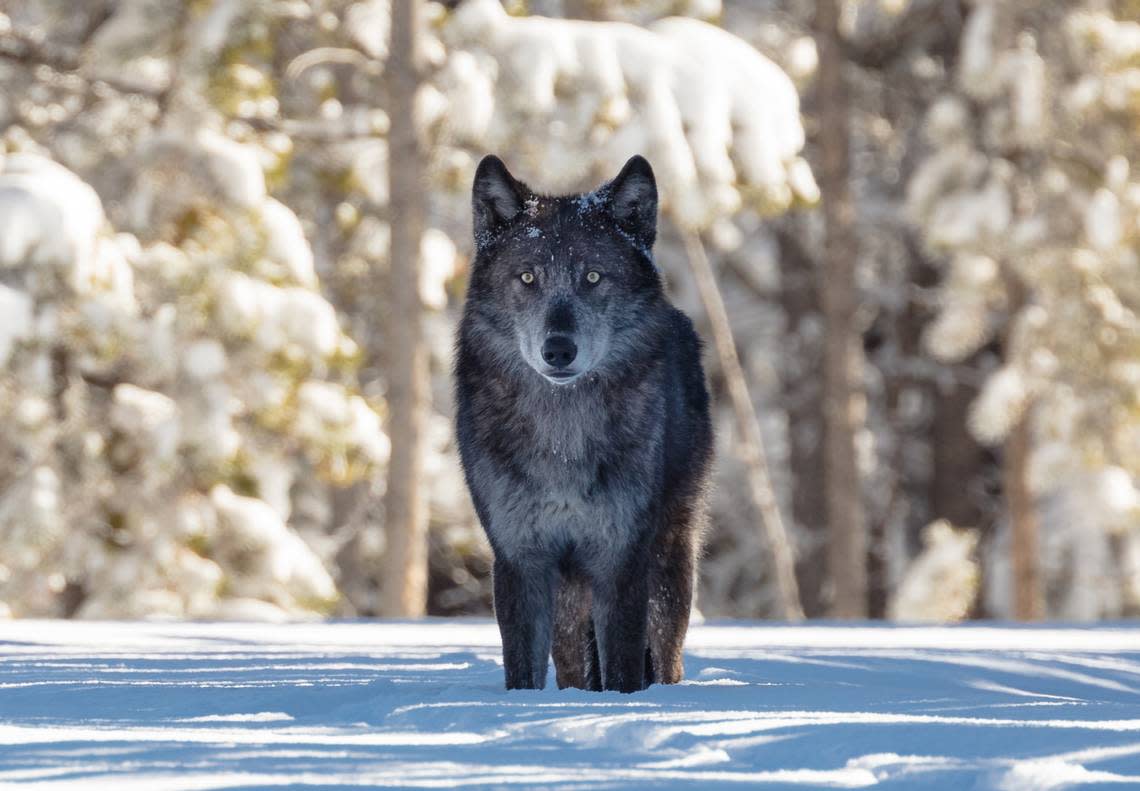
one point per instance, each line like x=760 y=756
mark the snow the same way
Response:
x=1001 y=404
x=719 y=121
x=154 y=705
x=286 y=244
x=941 y=585
x=17 y=312
x=277 y=317
x=47 y=215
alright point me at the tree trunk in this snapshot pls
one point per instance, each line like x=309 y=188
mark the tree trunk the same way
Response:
x=1028 y=602
x=1025 y=564
x=404 y=584
x=592 y=10
x=843 y=403
x=802 y=392
x=751 y=440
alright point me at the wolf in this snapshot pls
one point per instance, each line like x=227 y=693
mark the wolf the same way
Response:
x=583 y=429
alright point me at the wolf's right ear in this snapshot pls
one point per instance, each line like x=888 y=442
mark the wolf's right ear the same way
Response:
x=496 y=197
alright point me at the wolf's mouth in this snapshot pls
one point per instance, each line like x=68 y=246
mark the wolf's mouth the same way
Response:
x=562 y=377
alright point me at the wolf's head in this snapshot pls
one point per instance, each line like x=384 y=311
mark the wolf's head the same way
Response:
x=565 y=280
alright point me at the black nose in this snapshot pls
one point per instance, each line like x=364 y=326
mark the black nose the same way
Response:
x=559 y=351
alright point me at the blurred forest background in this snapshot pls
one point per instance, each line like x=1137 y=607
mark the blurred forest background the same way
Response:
x=234 y=238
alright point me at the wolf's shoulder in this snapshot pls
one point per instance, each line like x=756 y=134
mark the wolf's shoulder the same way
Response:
x=683 y=337
x=684 y=352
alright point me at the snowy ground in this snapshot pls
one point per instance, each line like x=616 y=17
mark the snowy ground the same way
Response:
x=189 y=706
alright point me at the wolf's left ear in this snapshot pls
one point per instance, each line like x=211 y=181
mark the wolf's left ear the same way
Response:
x=496 y=197
x=633 y=200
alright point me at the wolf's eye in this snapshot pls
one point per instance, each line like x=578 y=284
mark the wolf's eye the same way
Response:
x=527 y=277
x=593 y=277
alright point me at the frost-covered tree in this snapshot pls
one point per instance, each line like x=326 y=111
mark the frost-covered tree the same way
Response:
x=161 y=398
x=173 y=392
x=570 y=100
x=1031 y=195
x=915 y=463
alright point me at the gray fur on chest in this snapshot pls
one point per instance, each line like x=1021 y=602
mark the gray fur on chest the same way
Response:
x=565 y=509
x=554 y=524
x=567 y=424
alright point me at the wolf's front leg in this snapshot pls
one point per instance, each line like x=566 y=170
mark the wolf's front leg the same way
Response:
x=524 y=598
x=671 y=580
x=621 y=604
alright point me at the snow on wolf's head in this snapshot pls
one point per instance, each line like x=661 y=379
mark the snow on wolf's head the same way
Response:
x=565 y=281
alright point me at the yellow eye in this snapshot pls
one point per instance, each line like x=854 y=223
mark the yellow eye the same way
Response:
x=593 y=277
x=527 y=278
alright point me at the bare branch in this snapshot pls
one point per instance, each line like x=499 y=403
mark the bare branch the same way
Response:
x=751 y=439
x=340 y=55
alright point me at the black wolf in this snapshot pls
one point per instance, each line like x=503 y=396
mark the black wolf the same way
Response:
x=583 y=426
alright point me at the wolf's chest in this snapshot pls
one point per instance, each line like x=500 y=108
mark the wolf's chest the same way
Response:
x=568 y=435
x=560 y=516
x=582 y=471
x=574 y=503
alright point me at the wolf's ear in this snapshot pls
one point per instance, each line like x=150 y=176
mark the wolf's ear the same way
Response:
x=633 y=200
x=496 y=197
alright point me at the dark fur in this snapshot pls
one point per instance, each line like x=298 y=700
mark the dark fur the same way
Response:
x=591 y=492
